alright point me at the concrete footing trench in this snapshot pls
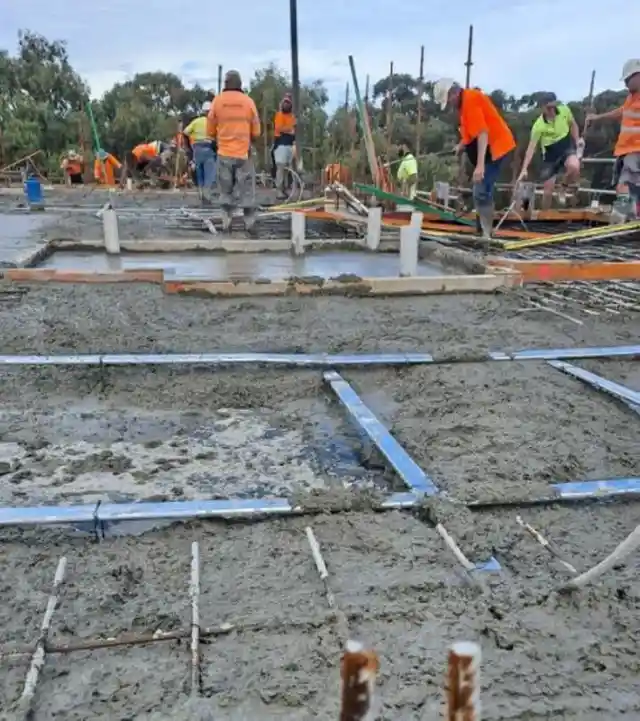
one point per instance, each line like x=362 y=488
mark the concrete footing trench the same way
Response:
x=494 y=437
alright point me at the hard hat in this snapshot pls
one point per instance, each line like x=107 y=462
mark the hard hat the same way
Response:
x=102 y=154
x=206 y=107
x=631 y=67
x=441 y=90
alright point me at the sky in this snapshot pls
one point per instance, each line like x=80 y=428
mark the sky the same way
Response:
x=520 y=46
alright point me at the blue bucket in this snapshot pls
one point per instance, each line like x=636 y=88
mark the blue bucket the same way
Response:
x=33 y=191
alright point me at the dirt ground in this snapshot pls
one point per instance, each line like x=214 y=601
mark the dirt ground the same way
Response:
x=481 y=430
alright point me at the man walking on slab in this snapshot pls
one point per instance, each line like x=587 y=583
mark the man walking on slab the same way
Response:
x=558 y=135
x=484 y=136
x=233 y=122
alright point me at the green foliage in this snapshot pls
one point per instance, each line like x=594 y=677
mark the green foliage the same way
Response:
x=43 y=105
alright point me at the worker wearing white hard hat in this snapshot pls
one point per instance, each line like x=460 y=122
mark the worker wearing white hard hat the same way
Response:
x=627 y=149
x=484 y=136
x=204 y=153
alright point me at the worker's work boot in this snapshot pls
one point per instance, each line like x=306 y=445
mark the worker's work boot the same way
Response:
x=485 y=217
x=250 y=225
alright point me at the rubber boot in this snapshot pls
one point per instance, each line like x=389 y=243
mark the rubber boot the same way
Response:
x=485 y=216
x=250 y=223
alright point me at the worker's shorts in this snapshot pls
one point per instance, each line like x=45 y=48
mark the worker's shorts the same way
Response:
x=283 y=154
x=237 y=175
x=627 y=171
x=483 y=191
x=554 y=158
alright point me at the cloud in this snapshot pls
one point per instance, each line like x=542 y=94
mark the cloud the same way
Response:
x=520 y=46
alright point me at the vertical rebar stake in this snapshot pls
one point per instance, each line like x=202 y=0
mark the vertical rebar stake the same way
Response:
x=463 y=683
x=39 y=654
x=194 y=592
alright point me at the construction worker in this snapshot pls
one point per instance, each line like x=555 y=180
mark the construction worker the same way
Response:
x=72 y=166
x=627 y=149
x=233 y=123
x=284 y=142
x=105 y=167
x=407 y=172
x=485 y=137
x=204 y=153
x=146 y=156
x=558 y=135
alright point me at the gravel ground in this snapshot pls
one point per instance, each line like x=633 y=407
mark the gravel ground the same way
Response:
x=481 y=430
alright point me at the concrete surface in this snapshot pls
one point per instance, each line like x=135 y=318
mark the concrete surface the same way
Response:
x=478 y=429
x=21 y=236
x=274 y=266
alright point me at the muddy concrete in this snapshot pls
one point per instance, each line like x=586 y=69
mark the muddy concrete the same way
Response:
x=544 y=655
x=502 y=429
x=136 y=435
x=272 y=266
x=479 y=429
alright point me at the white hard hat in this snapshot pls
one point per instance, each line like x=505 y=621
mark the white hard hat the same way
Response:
x=206 y=107
x=631 y=67
x=441 y=90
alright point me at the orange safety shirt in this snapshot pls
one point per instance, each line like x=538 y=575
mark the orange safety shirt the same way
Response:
x=73 y=167
x=629 y=138
x=284 y=124
x=144 y=151
x=104 y=171
x=478 y=114
x=233 y=122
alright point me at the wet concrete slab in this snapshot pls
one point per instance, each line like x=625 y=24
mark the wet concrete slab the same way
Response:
x=19 y=234
x=271 y=265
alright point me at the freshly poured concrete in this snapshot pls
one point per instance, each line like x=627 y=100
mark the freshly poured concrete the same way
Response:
x=19 y=235
x=271 y=265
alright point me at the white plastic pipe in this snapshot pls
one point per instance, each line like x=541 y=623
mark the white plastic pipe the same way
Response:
x=111 y=235
x=374 y=228
x=298 y=232
x=409 y=250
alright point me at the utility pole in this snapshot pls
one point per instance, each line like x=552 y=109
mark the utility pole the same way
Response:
x=420 y=91
x=295 y=76
x=219 y=79
x=469 y=62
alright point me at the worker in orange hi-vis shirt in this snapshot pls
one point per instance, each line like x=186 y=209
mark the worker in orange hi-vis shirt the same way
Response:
x=284 y=142
x=105 y=168
x=627 y=149
x=484 y=136
x=234 y=124
x=146 y=155
x=72 y=166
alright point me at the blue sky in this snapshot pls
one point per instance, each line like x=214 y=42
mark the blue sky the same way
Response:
x=519 y=45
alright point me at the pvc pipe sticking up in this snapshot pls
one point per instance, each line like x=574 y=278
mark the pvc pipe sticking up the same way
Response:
x=374 y=228
x=409 y=236
x=298 y=232
x=111 y=235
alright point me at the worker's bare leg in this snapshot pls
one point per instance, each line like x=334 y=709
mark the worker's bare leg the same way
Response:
x=280 y=176
x=547 y=192
x=246 y=181
x=226 y=172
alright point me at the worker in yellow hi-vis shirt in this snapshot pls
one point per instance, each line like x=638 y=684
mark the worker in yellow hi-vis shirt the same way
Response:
x=558 y=135
x=204 y=154
x=407 y=172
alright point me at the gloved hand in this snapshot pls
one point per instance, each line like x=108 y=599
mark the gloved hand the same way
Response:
x=580 y=148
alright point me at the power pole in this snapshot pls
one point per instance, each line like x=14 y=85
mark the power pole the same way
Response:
x=469 y=62
x=420 y=91
x=295 y=75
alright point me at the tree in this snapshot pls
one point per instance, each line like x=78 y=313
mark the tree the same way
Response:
x=43 y=105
